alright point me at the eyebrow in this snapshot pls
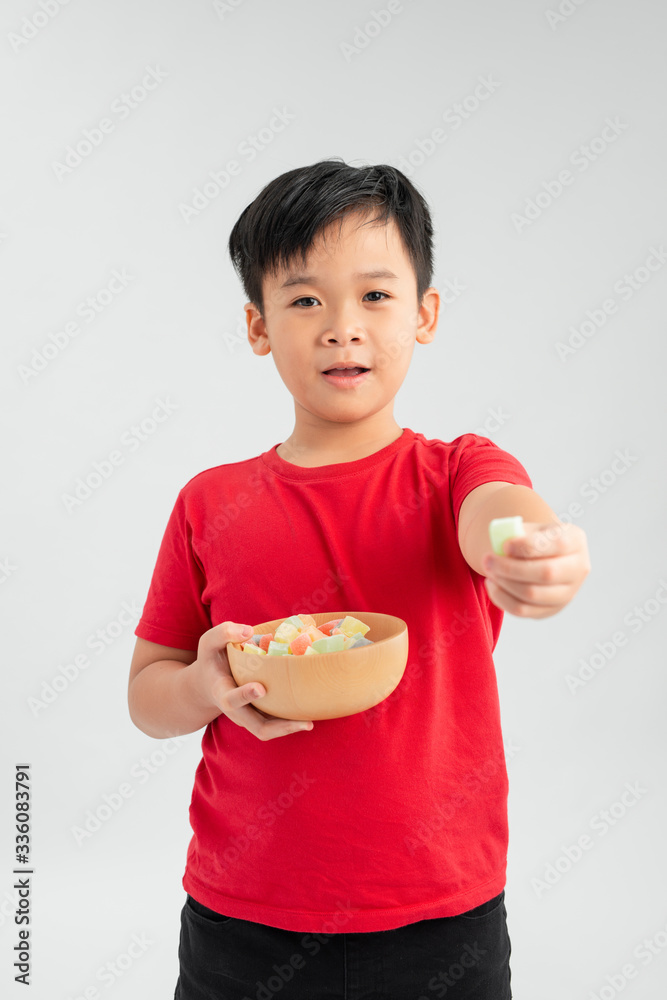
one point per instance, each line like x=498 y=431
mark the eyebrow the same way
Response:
x=309 y=279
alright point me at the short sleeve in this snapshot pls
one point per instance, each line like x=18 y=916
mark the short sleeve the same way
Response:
x=476 y=460
x=174 y=613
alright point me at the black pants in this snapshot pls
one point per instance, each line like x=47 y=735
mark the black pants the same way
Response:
x=460 y=958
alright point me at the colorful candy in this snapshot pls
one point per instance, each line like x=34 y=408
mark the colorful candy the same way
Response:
x=299 y=636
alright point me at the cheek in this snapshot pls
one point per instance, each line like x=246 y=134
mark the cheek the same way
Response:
x=398 y=346
x=394 y=361
x=286 y=362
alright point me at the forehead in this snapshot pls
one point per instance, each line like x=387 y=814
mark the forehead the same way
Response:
x=365 y=249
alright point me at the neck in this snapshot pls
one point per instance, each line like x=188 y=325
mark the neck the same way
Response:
x=324 y=443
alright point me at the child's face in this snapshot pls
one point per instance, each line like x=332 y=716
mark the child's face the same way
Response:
x=332 y=315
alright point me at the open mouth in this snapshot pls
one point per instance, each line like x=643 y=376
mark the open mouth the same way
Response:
x=345 y=372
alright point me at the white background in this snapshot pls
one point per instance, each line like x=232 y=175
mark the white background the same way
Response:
x=172 y=334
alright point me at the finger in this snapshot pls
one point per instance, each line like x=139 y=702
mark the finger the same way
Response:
x=550 y=602
x=216 y=638
x=541 y=540
x=547 y=571
x=267 y=727
x=537 y=595
x=270 y=727
x=237 y=697
x=244 y=711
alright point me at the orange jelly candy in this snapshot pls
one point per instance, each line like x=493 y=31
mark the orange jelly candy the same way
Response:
x=328 y=626
x=300 y=643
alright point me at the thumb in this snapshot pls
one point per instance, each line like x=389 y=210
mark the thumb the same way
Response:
x=230 y=632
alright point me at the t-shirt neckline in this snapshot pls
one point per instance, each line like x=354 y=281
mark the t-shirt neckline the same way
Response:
x=287 y=470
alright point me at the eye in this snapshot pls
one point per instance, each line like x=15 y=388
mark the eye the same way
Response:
x=311 y=298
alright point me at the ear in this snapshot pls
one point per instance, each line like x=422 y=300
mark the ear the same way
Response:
x=257 y=335
x=428 y=316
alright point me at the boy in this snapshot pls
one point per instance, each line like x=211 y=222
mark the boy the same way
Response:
x=362 y=856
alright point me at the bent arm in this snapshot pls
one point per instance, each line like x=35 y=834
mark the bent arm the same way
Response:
x=163 y=697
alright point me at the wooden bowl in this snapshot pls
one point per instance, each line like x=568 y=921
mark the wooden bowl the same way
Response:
x=327 y=685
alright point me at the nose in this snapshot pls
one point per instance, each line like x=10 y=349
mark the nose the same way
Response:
x=344 y=327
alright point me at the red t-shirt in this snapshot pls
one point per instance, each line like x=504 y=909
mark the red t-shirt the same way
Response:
x=389 y=816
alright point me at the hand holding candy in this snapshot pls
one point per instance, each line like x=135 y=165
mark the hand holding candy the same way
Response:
x=542 y=569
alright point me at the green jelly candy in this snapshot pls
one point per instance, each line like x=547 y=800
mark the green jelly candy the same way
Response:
x=501 y=528
x=278 y=649
x=330 y=644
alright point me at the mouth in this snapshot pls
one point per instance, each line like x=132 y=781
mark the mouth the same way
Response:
x=346 y=378
x=345 y=372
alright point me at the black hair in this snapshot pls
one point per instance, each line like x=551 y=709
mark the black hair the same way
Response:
x=292 y=210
